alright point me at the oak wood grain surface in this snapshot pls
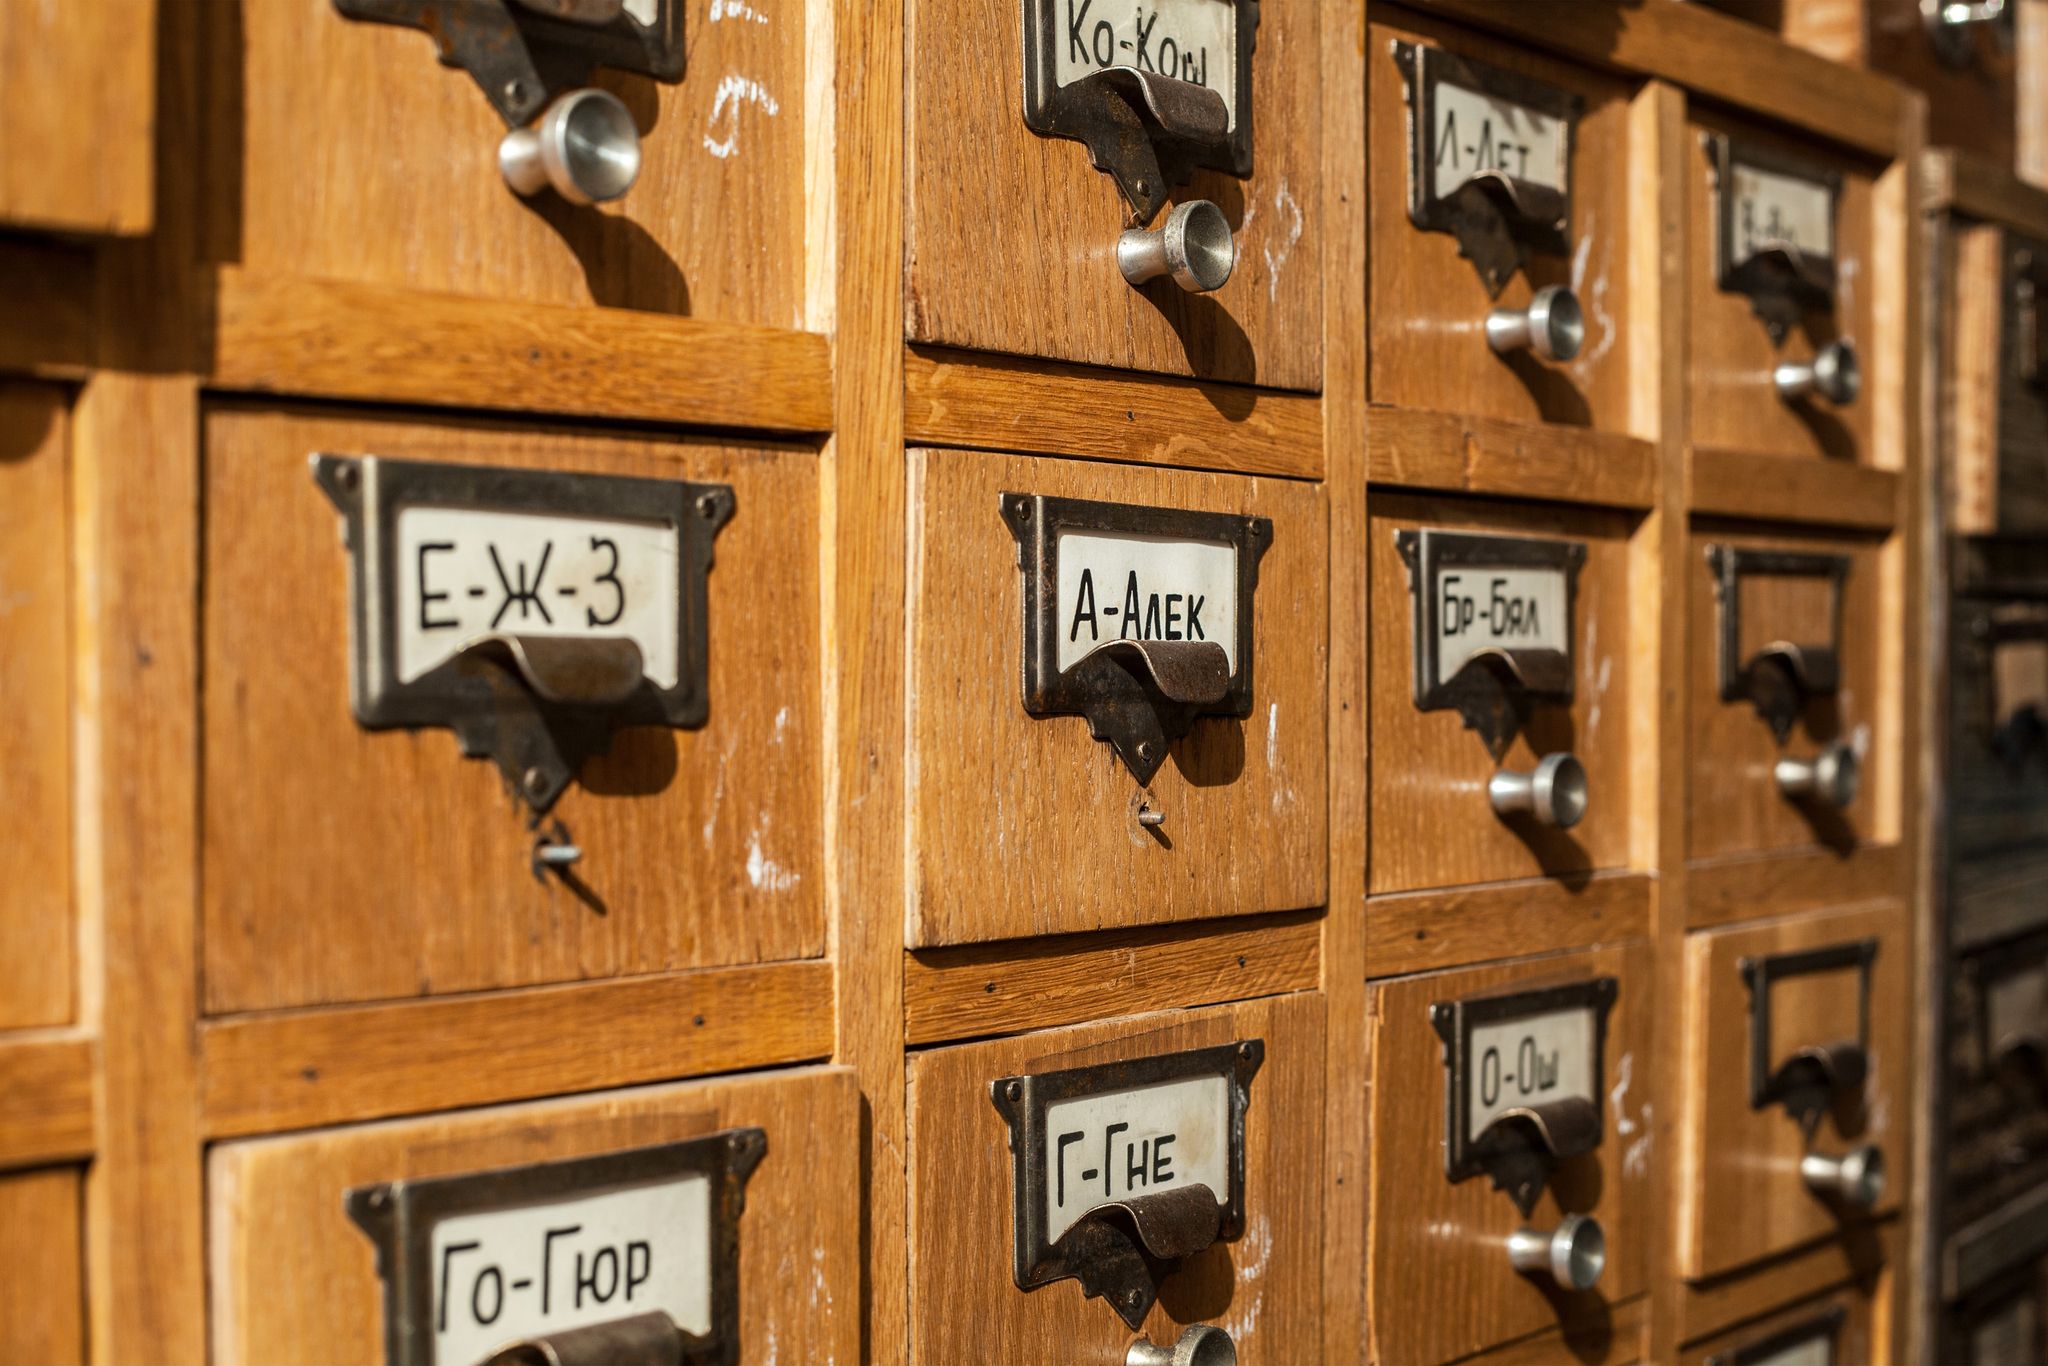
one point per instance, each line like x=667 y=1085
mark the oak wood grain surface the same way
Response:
x=1262 y=1289
x=37 y=934
x=1431 y=823
x=42 y=1267
x=1743 y=886
x=1741 y=1198
x=1457 y=453
x=349 y=865
x=46 y=1096
x=77 y=107
x=1011 y=237
x=293 y=1279
x=1423 y=931
x=1438 y=1243
x=1429 y=304
x=1864 y=1260
x=1978 y=189
x=1741 y=483
x=1025 y=825
x=1853 y=1340
x=1628 y=1325
x=319 y=125
x=971 y=398
x=1973 y=315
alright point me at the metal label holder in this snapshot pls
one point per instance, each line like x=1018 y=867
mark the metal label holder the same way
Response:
x=1498 y=219
x=1825 y=1327
x=1496 y=685
x=400 y=1216
x=1783 y=674
x=1519 y=1148
x=1809 y=1079
x=1148 y=130
x=1783 y=282
x=1139 y=696
x=1116 y=1250
x=538 y=705
x=2027 y=1051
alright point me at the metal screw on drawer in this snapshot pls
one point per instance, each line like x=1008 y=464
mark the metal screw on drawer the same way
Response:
x=1856 y=1177
x=1552 y=326
x=1833 y=374
x=1830 y=776
x=1573 y=1254
x=1201 y=1345
x=585 y=145
x=1555 y=793
x=1194 y=246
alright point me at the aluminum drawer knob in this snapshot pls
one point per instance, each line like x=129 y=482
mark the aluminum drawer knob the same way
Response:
x=1201 y=1345
x=1830 y=776
x=1856 y=1178
x=1194 y=246
x=585 y=145
x=1552 y=325
x=1832 y=373
x=1554 y=793
x=1573 y=1254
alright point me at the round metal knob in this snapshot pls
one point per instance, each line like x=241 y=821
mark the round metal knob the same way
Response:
x=1832 y=373
x=1830 y=776
x=1555 y=793
x=1194 y=246
x=1952 y=27
x=1552 y=325
x=585 y=145
x=1856 y=1178
x=1573 y=1254
x=1201 y=1345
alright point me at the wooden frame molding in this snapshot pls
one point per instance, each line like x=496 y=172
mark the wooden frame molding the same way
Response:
x=1776 y=488
x=1973 y=188
x=1410 y=932
x=46 y=1096
x=1722 y=890
x=1457 y=454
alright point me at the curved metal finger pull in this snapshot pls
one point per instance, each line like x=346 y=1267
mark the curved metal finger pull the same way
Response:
x=1573 y=1254
x=1193 y=247
x=1554 y=792
x=1833 y=373
x=1201 y=1344
x=1552 y=326
x=1830 y=777
x=586 y=146
x=1854 y=1178
x=642 y=1340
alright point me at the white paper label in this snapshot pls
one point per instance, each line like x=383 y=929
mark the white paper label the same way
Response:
x=1124 y=1144
x=512 y=1273
x=1137 y=587
x=2007 y=1338
x=1774 y=210
x=1191 y=40
x=464 y=572
x=1818 y=1351
x=2017 y=1004
x=1535 y=1060
x=1481 y=608
x=1477 y=133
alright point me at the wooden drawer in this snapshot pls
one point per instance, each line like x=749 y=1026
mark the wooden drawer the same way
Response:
x=1997 y=801
x=1025 y=824
x=1996 y=388
x=1259 y=1285
x=1440 y=1284
x=1994 y=1110
x=35 y=704
x=1735 y=403
x=42 y=1266
x=347 y=864
x=295 y=1279
x=78 y=120
x=1430 y=298
x=1039 y=276
x=321 y=124
x=1994 y=1287
x=1738 y=804
x=1432 y=823
x=1759 y=996
x=1845 y=1321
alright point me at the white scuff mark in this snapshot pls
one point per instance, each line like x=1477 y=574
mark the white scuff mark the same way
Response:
x=1595 y=298
x=733 y=9
x=764 y=872
x=736 y=90
x=1636 y=1161
x=1257 y=1247
x=1623 y=1125
x=781 y=724
x=718 y=791
x=1859 y=739
x=1273 y=736
x=1876 y=1104
x=1290 y=213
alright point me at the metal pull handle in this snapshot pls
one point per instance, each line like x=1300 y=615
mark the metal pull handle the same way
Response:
x=1573 y=1254
x=1194 y=246
x=1833 y=374
x=1856 y=1178
x=1201 y=1345
x=1830 y=776
x=586 y=146
x=642 y=1340
x=1554 y=793
x=1553 y=326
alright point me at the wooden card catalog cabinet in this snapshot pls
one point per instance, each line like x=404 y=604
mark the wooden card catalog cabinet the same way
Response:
x=1995 y=1149
x=1795 y=1100
x=1839 y=1329
x=42 y=1265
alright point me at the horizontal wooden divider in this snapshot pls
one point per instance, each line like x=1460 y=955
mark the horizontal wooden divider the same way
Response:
x=1743 y=886
x=1420 y=931
x=1415 y=448
x=45 y=1097
x=1785 y=488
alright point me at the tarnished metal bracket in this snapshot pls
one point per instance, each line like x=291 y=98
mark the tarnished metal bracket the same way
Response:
x=1808 y=1082
x=1783 y=278
x=1520 y=1145
x=538 y=704
x=401 y=1218
x=1121 y=1249
x=1500 y=210
x=1147 y=103
x=1779 y=678
x=1140 y=691
x=1823 y=1328
x=1520 y=660
x=522 y=52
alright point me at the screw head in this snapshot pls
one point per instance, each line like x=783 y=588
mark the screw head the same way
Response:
x=1244 y=1050
x=349 y=475
x=515 y=90
x=707 y=506
x=1015 y=1090
x=535 y=780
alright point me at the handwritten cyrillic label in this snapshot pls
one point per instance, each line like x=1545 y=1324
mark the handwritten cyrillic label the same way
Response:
x=1536 y=1060
x=1773 y=210
x=1120 y=1145
x=1141 y=587
x=1190 y=40
x=1481 y=608
x=1477 y=134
